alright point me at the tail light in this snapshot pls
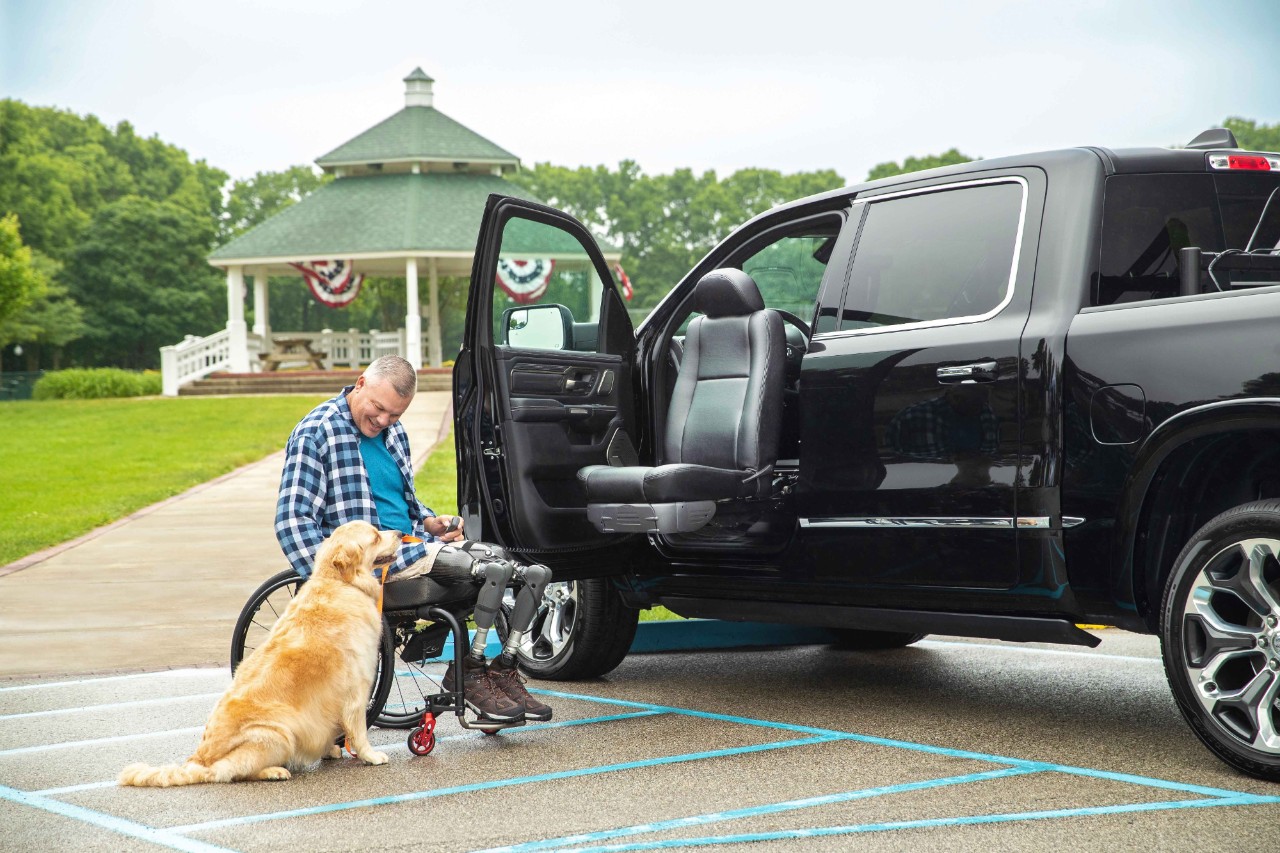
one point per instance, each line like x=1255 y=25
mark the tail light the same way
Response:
x=1245 y=162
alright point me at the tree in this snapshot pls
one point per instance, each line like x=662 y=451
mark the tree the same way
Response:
x=1253 y=136
x=264 y=195
x=20 y=282
x=58 y=168
x=663 y=224
x=140 y=274
x=48 y=324
x=950 y=157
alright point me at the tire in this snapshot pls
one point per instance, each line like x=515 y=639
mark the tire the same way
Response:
x=414 y=677
x=854 y=639
x=1219 y=627
x=263 y=609
x=582 y=630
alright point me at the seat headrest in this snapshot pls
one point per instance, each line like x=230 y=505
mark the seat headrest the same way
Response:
x=727 y=293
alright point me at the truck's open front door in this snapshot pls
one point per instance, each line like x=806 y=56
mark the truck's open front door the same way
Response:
x=542 y=387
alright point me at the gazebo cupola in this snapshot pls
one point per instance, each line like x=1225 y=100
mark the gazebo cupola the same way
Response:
x=418 y=139
x=408 y=193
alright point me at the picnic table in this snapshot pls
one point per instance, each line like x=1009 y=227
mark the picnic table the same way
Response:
x=291 y=350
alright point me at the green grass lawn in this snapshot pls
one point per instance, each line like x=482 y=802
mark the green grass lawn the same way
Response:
x=69 y=466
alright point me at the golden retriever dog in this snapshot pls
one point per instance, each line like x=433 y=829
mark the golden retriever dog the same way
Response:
x=312 y=676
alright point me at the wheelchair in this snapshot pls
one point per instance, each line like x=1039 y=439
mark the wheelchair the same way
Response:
x=419 y=615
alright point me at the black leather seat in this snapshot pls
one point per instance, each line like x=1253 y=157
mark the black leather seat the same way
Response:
x=722 y=425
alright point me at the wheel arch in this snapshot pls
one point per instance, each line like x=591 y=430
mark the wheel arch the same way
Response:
x=1195 y=465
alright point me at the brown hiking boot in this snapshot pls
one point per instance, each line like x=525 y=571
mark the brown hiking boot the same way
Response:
x=482 y=694
x=511 y=682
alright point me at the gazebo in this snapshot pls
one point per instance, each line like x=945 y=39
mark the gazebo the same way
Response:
x=407 y=198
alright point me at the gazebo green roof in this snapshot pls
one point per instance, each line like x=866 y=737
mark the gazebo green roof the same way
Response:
x=406 y=213
x=418 y=134
x=414 y=185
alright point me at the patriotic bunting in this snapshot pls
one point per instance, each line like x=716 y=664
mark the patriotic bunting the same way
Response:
x=525 y=281
x=627 y=293
x=332 y=283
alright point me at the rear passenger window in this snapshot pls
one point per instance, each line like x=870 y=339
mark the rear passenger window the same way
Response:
x=933 y=256
x=1148 y=219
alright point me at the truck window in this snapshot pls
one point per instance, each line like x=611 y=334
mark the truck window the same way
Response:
x=1147 y=219
x=934 y=256
x=788 y=269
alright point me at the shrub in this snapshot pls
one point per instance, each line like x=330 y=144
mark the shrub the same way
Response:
x=95 y=383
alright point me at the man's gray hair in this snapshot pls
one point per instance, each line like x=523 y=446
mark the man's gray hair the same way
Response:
x=397 y=371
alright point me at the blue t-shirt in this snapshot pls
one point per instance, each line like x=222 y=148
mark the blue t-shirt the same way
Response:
x=386 y=483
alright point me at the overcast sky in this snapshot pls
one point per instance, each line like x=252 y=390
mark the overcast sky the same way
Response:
x=259 y=85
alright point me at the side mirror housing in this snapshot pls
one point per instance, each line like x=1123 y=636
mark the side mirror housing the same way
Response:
x=546 y=326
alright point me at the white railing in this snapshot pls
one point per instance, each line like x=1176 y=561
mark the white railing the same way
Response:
x=196 y=358
x=353 y=348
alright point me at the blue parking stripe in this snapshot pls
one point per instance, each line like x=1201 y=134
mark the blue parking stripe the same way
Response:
x=756 y=811
x=918 y=747
x=106 y=821
x=163 y=700
x=97 y=741
x=397 y=747
x=821 y=832
x=176 y=837
x=499 y=783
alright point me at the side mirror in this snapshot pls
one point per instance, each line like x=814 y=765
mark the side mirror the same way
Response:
x=548 y=326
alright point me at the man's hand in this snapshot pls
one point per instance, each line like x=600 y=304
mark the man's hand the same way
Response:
x=446 y=528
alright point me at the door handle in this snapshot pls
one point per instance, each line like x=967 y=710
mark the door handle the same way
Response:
x=578 y=381
x=982 y=371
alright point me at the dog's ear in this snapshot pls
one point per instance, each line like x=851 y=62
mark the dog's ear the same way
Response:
x=346 y=560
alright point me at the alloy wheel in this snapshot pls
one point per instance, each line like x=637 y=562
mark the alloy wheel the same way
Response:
x=1231 y=642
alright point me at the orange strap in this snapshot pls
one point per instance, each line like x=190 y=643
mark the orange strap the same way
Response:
x=386 y=571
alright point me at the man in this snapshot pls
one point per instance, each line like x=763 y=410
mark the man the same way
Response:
x=349 y=460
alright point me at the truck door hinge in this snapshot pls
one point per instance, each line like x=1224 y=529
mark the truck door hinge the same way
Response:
x=493 y=452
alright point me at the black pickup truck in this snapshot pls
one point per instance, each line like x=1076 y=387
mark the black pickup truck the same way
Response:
x=1000 y=399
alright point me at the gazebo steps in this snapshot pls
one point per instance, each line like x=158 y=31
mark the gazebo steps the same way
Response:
x=300 y=382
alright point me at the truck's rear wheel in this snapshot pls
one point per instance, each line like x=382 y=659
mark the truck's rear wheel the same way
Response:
x=1220 y=636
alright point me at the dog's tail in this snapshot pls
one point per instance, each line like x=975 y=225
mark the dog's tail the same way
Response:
x=145 y=776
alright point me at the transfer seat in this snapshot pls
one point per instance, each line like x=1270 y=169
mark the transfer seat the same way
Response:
x=723 y=421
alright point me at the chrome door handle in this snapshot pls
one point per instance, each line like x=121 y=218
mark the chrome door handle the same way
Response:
x=982 y=371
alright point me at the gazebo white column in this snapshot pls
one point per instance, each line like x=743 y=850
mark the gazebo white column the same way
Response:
x=412 y=319
x=261 y=319
x=433 y=321
x=238 y=342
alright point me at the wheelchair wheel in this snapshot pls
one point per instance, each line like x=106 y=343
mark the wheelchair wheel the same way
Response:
x=263 y=609
x=417 y=671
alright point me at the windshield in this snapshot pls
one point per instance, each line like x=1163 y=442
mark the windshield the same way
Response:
x=1148 y=218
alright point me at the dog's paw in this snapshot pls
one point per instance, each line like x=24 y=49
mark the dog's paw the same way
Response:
x=274 y=774
x=374 y=758
x=334 y=752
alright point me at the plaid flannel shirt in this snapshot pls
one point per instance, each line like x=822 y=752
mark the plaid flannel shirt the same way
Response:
x=325 y=485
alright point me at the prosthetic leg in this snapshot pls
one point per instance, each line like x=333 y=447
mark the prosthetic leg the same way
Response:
x=494 y=693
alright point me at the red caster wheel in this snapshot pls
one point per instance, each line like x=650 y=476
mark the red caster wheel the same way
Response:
x=421 y=741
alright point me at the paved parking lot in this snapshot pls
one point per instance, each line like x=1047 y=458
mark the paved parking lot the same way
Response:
x=949 y=745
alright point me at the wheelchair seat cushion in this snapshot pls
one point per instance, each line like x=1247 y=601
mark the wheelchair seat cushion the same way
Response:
x=422 y=590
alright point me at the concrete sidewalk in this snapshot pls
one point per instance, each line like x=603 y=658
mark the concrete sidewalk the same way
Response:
x=163 y=587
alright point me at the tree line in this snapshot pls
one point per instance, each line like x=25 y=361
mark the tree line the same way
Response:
x=104 y=234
